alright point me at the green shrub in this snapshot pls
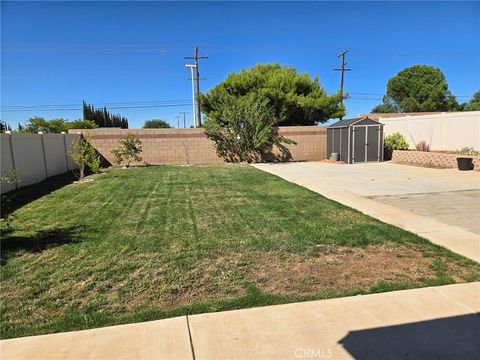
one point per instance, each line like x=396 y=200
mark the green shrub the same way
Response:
x=83 y=154
x=395 y=141
x=128 y=151
x=244 y=130
x=10 y=176
x=468 y=151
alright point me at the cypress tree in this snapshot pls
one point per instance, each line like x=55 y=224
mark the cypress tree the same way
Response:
x=103 y=118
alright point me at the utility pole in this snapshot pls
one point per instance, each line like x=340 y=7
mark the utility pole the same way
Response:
x=184 y=123
x=178 y=121
x=197 y=79
x=342 y=69
x=194 y=111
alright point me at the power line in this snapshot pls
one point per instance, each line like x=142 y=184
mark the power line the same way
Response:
x=374 y=94
x=99 y=104
x=355 y=98
x=113 y=107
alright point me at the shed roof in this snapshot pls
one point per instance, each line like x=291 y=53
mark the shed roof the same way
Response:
x=346 y=122
x=349 y=122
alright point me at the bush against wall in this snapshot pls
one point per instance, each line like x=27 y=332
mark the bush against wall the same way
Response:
x=129 y=150
x=10 y=176
x=395 y=141
x=244 y=130
x=84 y=155
x=422 y=146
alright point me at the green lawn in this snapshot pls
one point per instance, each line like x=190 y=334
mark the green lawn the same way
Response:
x=154 y=242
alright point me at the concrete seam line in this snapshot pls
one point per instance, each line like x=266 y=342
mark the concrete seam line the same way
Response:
x=190 y=337
x=453 y=300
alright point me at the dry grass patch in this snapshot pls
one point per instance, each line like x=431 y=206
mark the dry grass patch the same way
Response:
x=339 y=269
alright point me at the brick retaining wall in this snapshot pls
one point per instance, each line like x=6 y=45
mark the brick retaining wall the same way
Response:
x=430 y=158
x=179 y=146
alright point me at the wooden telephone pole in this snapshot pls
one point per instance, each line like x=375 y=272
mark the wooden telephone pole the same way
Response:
x=342 y=69
x=197 y=80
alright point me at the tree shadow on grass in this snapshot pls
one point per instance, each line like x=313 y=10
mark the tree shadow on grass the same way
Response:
x=15 y=199
x=12 y=246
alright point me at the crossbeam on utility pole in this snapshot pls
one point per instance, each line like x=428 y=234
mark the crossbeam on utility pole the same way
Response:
x=342 y=69
x=197 y=79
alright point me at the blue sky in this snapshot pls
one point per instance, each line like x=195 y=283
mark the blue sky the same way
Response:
x=109 y=52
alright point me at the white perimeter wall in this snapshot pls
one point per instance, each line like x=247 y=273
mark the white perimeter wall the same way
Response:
x=445 y=131
x=35 y=156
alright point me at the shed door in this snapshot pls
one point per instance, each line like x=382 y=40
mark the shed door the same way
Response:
x=373 y=143
x=358 y=143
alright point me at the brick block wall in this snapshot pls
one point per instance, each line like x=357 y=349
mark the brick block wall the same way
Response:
x=433 y=159
x=179 y=146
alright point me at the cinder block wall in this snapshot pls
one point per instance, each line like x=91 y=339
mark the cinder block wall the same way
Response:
x=181 y=146
x=433 y=159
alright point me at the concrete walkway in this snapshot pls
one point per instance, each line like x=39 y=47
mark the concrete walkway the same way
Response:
x=429 y=323
x=387 y=191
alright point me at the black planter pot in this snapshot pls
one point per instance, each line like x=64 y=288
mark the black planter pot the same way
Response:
x=465 y=163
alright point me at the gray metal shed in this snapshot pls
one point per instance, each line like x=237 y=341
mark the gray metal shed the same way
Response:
x=356 y=140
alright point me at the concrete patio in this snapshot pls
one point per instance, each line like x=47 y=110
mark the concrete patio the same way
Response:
x=428 y=323
x=441 y=205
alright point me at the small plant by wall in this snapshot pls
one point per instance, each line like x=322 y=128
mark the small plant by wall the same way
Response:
x=84 y=155
x=10 y=176
x=129 y=150
x=468 y=151
x=422 y=146
x=395 y=141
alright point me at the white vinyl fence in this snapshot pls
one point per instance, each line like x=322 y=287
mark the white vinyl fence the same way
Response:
x=35 y=156
x=444 y=132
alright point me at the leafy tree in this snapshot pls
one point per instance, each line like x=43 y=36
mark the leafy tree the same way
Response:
x=129 y=150
x=419 y=88
x=156 y=124
x=245 y=130
x=395 y=141
x=37 y=124
x=83 y=154
x=295 y=98
x=81 y=124
x=388 y=106
x=474 y=103
x=4 y=126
